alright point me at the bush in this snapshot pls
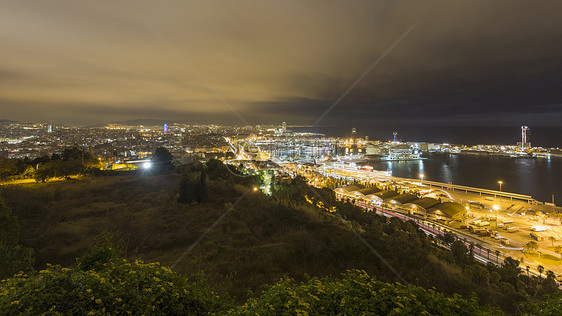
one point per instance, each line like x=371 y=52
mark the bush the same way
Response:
x=357 y=294
x=121 y=287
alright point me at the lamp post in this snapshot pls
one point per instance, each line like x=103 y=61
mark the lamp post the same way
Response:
x=500 y=182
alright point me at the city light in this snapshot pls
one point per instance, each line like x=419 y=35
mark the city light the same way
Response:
x=147 y=165
x=496 y=207
x=255 y=189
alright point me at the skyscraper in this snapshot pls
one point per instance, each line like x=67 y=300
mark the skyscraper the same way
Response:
x=284 y=127
x=165 y=127
x=354 y=141
x=525 y=137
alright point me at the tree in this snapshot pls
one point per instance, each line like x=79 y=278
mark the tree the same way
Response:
x=552 y=240
x=541 y=270
x=162 y=157
x=186 y=190
x=448 y=237
x=460 y=252
x=550 y=274
x=8 y=167
x=558 y=250
x=203 y=191
x=531 y=246
x=498 y=256
x=527 y=268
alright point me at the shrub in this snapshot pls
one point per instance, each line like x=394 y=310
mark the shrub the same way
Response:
x=357 y=294
x=121 y=287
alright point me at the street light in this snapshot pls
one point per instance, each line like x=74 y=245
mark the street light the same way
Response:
x=422 y=176
x=496 y=208
x=500 y=182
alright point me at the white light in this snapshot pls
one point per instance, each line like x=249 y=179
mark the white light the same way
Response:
x=146 y=165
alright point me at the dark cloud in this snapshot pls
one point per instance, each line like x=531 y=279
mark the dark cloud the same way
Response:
x=464 y=62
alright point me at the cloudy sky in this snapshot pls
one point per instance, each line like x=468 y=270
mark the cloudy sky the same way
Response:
x=461 y=63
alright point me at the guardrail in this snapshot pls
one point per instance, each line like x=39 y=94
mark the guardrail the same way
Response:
x=446 y=186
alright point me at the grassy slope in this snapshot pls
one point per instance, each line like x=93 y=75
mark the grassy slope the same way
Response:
x=256 y=243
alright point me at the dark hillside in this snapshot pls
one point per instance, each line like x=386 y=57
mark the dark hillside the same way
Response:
x=260 y=240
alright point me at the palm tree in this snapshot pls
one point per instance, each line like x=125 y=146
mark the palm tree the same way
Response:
x=552 y=240
x=550 y=274
x=488 y=250
x=527 y=267
x=558 y=250
x=531 y=245
x=498 y=256
x=541 y=270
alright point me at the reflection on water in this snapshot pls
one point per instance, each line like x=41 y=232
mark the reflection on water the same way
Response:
x=537 y=177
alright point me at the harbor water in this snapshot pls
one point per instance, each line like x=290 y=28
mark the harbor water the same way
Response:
x=540 y=178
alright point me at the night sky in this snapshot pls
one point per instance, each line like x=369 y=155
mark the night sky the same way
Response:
x=463 y=63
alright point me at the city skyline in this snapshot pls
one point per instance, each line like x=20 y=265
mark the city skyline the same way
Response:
x=477 y=63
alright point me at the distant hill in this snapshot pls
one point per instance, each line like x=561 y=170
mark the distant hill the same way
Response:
x=6 y=121
x=145 y=122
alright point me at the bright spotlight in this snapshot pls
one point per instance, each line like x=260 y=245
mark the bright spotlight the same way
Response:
x=255 y=189
x=147 y=165
x=496 y=207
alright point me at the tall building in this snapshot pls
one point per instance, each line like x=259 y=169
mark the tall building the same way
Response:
x=284 y=127
x=395 y=134
x=165 y=127
x=354 y=141
x=525 y=131
x=50 y=128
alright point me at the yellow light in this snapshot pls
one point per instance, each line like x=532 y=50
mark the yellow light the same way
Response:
x=496 y=207
x=255 y=189
x=500 y=182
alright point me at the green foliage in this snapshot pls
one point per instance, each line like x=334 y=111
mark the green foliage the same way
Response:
x=102 y=252
x=448 y=238
x=8 y=167
x=186 y=190
x=162 y=159
x=356 y=293
x=262 y=239
x=193 y=190
x=551 y=305
x=13 y=257
x=121 y=287
x=460 y=252
x=59 y=168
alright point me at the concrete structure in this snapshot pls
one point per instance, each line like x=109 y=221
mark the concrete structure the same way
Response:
x=421 y=206
x=347 y=191
x=448 y=210
x=365 y=192
x=379 y=197
x=401 y=199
